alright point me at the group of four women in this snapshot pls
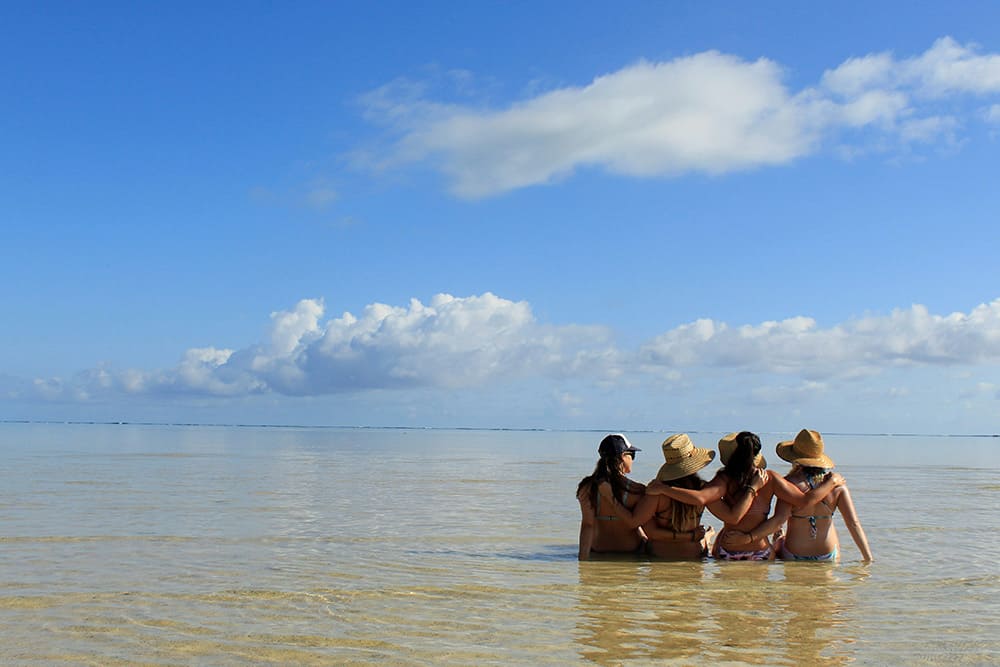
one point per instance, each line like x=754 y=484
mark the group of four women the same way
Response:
x=663 y=519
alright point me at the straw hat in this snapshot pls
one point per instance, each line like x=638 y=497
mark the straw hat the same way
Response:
x=806 y=450
x=727 y=446
x=682 y=458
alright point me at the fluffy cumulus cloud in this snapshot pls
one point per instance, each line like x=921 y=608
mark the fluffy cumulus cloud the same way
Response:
x=798 y=346
x=477 y=341
x=450 y=342
x=709 y=112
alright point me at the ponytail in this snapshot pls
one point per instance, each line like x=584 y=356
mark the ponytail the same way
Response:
x=740 y=468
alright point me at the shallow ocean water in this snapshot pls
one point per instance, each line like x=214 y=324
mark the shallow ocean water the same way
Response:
x=131 y=544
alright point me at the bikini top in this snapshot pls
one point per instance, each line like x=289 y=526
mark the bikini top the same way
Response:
x=813 y=517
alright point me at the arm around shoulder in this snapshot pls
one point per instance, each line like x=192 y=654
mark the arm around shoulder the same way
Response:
x=794 y=496
x=707 y=495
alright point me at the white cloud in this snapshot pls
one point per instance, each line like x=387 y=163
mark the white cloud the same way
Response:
x=478 y=341
x=927 y=130
x=906 y=337
x=993 y=114
x=946 y=68
x=449 y=342
x=571 y=404
x=855 y=76
x=786 y=395
x=949 y=67
x=709 y=112
x=988 y=389
x=320 y=196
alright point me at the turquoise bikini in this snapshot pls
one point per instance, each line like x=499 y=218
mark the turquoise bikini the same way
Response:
x=813 y=532
x=788 y=555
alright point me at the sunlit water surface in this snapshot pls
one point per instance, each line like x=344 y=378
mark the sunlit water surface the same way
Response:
x=125 y=544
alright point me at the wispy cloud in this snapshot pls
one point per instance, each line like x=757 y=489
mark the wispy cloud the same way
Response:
x=710 y=112
x=318 y=195
x=478 y=341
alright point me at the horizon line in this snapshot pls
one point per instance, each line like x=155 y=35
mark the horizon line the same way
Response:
x=87 y=422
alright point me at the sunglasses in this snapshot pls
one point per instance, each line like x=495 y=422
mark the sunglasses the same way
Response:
x=631 y=455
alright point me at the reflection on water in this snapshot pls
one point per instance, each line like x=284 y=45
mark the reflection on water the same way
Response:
x=607 y=612
x=739 y=613
x=126 y=545
x=819 y=626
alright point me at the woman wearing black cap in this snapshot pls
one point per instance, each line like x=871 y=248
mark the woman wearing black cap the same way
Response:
x=601 y=530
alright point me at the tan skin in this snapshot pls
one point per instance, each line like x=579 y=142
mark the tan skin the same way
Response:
x=597 y=536
x=772 y=485
x=799 y=539
x=686 y=541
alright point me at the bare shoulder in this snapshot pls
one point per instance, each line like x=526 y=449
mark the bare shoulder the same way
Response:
x=796 y=479
x=720 y=479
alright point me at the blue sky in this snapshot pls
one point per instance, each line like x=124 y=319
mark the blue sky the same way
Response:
x=674 y=216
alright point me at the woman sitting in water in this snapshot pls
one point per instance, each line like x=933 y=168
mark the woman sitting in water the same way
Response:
x=601 y=530
x=811 y=535
x=744 y=469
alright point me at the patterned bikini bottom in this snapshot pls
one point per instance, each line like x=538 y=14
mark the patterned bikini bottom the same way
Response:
x=766 y=553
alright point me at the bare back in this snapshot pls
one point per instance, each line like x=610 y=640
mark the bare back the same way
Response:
x=810 y=528
x=686 y=541
x=607 y=532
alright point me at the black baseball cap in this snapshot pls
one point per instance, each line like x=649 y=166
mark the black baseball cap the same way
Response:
x=616 y=444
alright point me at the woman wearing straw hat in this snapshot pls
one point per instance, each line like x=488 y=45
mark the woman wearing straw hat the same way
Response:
x=674 y=527
x=744 y=469
x=811 y=535
x=601 y=530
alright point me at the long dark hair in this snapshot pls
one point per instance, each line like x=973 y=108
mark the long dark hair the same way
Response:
x=608 y=469
x=740 y=467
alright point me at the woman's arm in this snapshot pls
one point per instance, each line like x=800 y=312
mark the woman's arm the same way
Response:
x=710 y=493
x=732 y=515
x=794 y=496
x=635 y=517
x=654 y=532
x=736 y=540
x=586 y=524
x=846 y=507
x=782 y=511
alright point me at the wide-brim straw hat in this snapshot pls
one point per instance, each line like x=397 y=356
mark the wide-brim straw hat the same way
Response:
x=806 y=450
x=682 y=458
x=727 y=446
